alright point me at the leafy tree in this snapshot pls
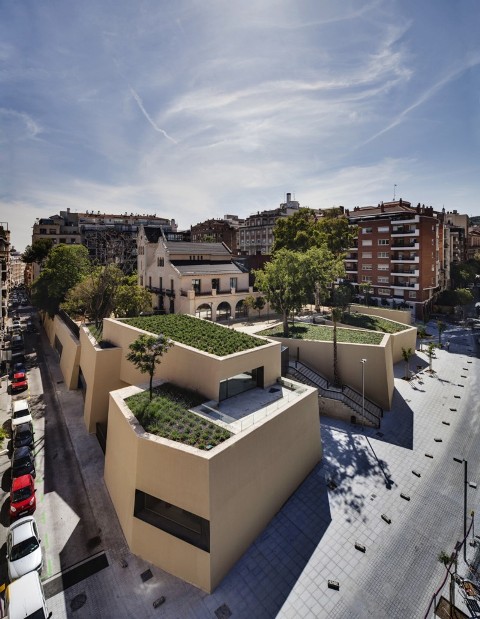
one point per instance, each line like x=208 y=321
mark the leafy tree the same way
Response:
x=259 y=304
x=282 y=281
x=296 y=232
x=249 y=303
x=365 y=289
x=95 y=295
x=342 y=297
x=406 y=354
x=131 y=299
x=37 y=251
x=64 y=267
x=337 y=233
x=146 y=352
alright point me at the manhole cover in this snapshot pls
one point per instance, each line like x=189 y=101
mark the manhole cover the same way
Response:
x=223 y=612
x=78 y=601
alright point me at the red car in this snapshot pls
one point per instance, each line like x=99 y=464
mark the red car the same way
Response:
x=22 y=497
x=19 y=382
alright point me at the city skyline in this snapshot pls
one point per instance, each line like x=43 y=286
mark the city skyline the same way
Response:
x=191 y=111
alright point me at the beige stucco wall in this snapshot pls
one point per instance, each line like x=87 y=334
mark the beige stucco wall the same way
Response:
x=379 y=379
x=338 y=410
x=101 y=373
x=192 y=368
x=403 y=316
x=238 y=486
x=70 y=357
x=404 y=339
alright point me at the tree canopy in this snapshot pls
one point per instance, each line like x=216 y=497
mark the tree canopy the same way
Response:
x=146 y=352
x=106 y=290
x=288 y=280
x=64 y=267
x=37 y=251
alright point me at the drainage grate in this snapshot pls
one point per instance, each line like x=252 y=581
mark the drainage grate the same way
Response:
x=223 y=612
x=78 y=601
x=146 y=575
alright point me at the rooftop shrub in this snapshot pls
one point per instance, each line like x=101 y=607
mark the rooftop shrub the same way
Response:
x=167 y=414
x=305 y=331
x=200 y=334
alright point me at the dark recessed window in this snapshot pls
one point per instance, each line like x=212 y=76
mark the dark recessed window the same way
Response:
x=172 y=519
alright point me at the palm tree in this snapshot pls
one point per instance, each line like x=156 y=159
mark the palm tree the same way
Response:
x=336 y=315
x=430 y=353
x=421 y=334
x=441 y=328
x=406 y=354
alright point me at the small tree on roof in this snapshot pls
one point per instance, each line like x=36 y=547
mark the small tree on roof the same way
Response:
x=146 y=352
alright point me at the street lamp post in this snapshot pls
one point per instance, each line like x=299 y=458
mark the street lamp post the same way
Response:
x=363 y=361
x=465 y=480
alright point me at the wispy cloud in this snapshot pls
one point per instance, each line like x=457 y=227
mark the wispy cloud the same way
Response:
x=149 y=118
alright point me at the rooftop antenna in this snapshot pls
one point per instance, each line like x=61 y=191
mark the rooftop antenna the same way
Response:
x=394 y=192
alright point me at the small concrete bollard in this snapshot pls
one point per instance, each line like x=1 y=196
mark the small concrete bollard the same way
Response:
x=360 y=547
x=159 y=601
x=386 y=519
x=334 y=584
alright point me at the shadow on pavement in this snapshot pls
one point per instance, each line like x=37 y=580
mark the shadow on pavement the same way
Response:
x=282 y=551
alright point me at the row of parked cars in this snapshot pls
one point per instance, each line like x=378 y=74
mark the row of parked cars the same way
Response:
x=24 y=596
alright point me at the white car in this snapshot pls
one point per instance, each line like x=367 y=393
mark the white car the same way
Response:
x=24 y=553
x=20 y=412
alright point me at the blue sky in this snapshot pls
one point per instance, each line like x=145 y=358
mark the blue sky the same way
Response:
x=196 y=108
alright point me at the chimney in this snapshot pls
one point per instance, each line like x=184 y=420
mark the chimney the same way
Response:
x=382 y=208
x=289 y=197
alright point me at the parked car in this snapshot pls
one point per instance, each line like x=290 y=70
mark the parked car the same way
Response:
x=23 y=462
x=23 y=435
x=24 y=553
x=18 y=366
x=20 y=412
x=19 y=382
x=24 y=598
x=22 y=497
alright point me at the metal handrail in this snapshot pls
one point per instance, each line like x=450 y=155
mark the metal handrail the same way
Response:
x=345 y=394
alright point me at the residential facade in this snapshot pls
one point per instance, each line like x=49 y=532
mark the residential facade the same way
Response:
x=4 y=268
x=200 y=279
x=109 y=238
x=399 y=253
x=255 y=235
x=216 y=231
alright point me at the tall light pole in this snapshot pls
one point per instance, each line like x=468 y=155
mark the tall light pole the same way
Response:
x=465 y=479
x=363 y=362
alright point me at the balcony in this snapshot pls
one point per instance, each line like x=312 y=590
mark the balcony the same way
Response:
x=410 y=258
x=352 y=256
x=403 y=272
x=351 y=268
x=155 y=290
x=405 y=285
x=398 y=244
x=414 y=219
x=405 y=231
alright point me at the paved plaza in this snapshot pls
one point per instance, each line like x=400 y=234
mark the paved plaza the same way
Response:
x=362 y=476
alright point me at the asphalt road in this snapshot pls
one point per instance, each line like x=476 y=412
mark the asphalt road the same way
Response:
x=64 y=516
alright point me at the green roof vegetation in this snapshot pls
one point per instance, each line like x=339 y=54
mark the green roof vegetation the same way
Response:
x=167 y=414
x=373 y=323
x=200 y=334
x=305 y=331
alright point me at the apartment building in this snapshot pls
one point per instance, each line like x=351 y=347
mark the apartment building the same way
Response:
x=255 y=235
x=109 y=238
x=399 y=252
x=216 y=231
x=17 y=268
x=200 y=279
x=4 y=268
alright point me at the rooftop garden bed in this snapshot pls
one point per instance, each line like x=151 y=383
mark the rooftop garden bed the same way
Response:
x=167 y=414
x=200 y=334
x=305 y=331
x=373 y=323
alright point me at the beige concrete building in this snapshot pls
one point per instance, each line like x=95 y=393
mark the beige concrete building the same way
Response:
x=193 y=512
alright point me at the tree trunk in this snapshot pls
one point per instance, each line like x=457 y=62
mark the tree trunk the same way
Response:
x=285 y=323
x=336 y=375
x=151 y=385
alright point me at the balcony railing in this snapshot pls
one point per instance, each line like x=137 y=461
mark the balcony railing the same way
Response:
x=403 y=245
x=410 y=272
x=411 y=258
x=405 y=231
x=396 y=284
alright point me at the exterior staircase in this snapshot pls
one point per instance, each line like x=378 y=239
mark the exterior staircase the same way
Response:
x=345 y=394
